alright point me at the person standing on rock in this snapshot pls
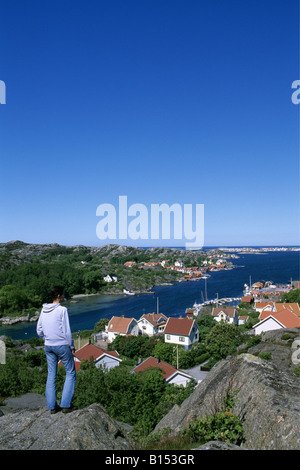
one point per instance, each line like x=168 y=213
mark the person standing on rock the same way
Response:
x=54 y=327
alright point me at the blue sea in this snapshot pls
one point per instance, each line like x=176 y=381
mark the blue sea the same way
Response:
x=278 y=267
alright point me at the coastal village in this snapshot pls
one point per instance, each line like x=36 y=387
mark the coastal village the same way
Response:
x=260 y=297
x=189 y=273
x=260 y=309
x=133 y=274
x=124 y=361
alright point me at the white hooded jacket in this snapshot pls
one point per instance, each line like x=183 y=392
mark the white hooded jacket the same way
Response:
x=54 y=327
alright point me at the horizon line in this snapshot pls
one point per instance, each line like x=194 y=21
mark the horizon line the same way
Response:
x=158 y=246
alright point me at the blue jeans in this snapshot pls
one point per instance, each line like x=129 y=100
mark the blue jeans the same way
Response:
x=54 y=354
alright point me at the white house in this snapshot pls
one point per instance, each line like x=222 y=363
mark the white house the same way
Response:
x=276 y=320
x=178 y=264
x=264 y=308
x=182 y=331
x=170 y=374
x=152 y=323
x=260 y=306
x=227 y=314
x=243 y=319
x=121 y=326
x=109 y=278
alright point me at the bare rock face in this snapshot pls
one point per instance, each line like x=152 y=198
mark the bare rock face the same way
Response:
x=267 y=402
x=30 y=426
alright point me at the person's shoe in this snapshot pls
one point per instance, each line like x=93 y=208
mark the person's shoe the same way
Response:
x=69 y=410
x=56 y=409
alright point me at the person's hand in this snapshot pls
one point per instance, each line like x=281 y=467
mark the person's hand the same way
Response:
x=73 y=351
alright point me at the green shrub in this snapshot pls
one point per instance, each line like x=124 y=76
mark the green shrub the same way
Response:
x=223 y=426
x=267 y=356
x=297 y=370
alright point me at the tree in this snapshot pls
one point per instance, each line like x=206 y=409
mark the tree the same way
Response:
x=151 y=390
x=206 y=323
x=122 y=388
x=90 y=386
x=12 y=299
x=100 y=325
x=222 y=340
x=291 y=297
x=164 y=351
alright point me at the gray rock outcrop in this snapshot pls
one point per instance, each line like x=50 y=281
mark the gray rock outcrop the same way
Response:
x=267 y=402
x=26 y=424
x=218 y=445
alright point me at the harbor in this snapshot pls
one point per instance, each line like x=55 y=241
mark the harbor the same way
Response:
x=222 y=286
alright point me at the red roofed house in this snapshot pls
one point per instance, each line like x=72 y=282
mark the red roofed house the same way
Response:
x=247 y=299
x=276 y=320
x=182 y=331
x=121 y=326
x=243 y=319
x=264 y=308
x=227 y=314
x=260 y=306
x=170 y=374
x=101 y=357
x=152 y=323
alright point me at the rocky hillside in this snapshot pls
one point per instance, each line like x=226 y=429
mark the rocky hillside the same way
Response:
x=26 y=424
x=28 y=271
x=18 y=252
x=267 y=395
x=267 y=401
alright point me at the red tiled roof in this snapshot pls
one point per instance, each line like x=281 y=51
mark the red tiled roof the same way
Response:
x=167 y=369
x=179 y=326
x=247 y=298
x=154 y=318
x=229 y=311
x=119 y=324
x=263 y=304
x=293 y=307
x=92 y=352
x=285 y=317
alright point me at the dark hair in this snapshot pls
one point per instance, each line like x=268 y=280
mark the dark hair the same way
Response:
x=54 y=292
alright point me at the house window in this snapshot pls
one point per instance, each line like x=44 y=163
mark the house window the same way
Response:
x=168 y=337
x=181 y=339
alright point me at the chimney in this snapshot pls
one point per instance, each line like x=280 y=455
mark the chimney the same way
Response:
x=158 y=359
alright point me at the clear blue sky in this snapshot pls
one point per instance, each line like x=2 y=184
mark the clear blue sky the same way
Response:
x=165 y=101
